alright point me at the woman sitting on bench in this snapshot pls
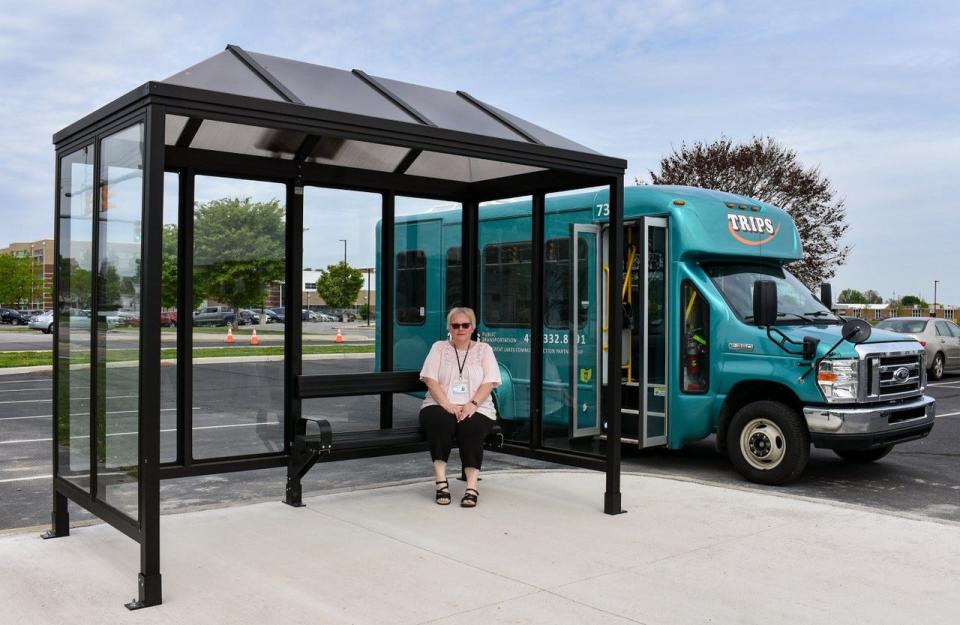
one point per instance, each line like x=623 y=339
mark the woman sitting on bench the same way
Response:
x=460 y=375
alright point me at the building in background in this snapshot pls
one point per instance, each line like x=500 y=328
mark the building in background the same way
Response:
x=42 y=253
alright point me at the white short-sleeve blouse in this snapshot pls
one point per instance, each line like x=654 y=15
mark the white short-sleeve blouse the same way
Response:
x=480 y=368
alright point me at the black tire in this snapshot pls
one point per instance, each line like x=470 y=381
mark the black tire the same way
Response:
x=49 y=329
x=936 y=367
x=768 y=442
x=863 y=455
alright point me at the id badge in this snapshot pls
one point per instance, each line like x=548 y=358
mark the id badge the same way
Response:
x=458 y=393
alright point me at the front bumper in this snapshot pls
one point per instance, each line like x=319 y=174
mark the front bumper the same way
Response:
x=838 y=427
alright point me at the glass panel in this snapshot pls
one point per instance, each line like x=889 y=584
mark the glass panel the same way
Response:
x=656 y=329
x=454 y=270
x=169 y=283
x=118 y=318
x=572 y=346
x=504 y=319
x=425 y=231
x=239 y=252
x=74 y=301
x=340 y=234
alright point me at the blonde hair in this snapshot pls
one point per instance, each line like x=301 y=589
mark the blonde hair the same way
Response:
x=462 y=310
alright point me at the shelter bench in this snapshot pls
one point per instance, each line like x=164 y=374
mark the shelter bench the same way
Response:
x=311 y=447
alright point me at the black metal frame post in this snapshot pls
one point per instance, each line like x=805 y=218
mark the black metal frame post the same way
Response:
x=538 y=206
x=386 y=296
x=149 y=581
x=185 y=321
x=293 y=338
x=470 y=255
x=60 y=514
x=612 y=496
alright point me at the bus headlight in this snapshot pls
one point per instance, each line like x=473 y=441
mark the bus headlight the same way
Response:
x=838 y=380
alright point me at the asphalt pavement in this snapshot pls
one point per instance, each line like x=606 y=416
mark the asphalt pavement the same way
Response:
x=237 y=408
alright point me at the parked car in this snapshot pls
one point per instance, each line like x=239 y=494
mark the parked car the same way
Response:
x=249 y=317
x=272 y=316
x=43 y=322
x=213 y=316
x=939 y=337
x=29 y=314
x=168 y=319
x=281 y=313
x=308 y=315
x=322 y=316
x=13 y=317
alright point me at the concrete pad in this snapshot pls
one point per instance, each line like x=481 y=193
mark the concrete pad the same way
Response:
x=537 y=550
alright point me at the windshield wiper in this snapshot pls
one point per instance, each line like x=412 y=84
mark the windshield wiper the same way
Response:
x=824 y=313
x=797 y=315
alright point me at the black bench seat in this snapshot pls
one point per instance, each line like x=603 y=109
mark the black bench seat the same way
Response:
x=325 y=440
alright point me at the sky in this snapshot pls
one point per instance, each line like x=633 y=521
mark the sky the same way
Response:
x=868 y=92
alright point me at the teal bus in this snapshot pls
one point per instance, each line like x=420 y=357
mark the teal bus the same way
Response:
x=718 y=337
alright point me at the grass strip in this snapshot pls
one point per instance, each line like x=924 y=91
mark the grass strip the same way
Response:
x=30 y=359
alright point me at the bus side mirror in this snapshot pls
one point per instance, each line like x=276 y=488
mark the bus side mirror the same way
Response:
x=810 y=345
x=764 y=302
x=826 y=296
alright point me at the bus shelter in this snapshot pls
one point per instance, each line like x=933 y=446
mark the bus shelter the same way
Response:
x=187 y=201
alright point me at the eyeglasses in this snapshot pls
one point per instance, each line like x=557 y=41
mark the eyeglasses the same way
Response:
x=458 y=326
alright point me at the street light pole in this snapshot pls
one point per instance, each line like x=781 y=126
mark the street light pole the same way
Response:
x=369 y=309
x=344 y=250
x=935 y=282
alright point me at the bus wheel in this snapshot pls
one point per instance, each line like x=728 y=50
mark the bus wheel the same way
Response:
x=768 y=442
x=863 y=455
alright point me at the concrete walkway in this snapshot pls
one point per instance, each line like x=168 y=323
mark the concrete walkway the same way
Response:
x=536 y=550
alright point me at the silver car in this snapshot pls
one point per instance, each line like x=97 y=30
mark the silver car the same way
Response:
x=939 y=337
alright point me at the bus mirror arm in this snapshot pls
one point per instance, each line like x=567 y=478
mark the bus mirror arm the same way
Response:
x=855 y=330
x=808 y=346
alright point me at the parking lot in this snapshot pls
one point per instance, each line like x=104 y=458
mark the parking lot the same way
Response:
x=237 y=409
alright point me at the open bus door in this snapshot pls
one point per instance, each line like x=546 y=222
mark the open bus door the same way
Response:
x=585 y=330
x=645 y=332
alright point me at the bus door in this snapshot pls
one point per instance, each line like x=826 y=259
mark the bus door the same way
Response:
x=585 y=330
x=652 y=320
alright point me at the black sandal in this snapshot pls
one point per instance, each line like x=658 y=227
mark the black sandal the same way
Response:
x=470 y=498
x=443 y=493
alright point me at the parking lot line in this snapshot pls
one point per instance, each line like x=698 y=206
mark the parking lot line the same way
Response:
x=111 y=434
x=37 y=401
x=82 y=414
x=41 y=380
x=949 y=414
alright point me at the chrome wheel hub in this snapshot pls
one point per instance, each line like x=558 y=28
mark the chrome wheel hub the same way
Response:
x=762 y=444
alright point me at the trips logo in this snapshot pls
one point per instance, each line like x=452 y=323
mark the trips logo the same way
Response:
x=751 y=230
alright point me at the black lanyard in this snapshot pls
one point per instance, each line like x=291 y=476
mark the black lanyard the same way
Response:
x=461 y=366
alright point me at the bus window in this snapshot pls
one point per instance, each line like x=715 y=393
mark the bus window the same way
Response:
x=411 y=287
x=556 y=284
x=506 y=284
x=454 y=278
x=695 y=348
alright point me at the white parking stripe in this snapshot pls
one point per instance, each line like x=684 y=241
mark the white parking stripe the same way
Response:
x=37 y=401
x=949 y=414
x=199 y=427
x=80 y=414
x=24 y=479
x=943 y=383
x=24 y=390
x=41 y=380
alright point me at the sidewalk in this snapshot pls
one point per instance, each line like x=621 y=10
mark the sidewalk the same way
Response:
x=537 y=550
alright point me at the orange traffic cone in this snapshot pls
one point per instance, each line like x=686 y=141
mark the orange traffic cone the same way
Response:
x=253 y=339
x=229 y=338
x=339 y=336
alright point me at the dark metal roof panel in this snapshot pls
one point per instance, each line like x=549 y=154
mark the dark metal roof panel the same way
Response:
x=542 y=134
x=330 y=88
x=224 y=72
x=448 y=110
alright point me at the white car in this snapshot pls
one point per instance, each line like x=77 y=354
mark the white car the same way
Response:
x=43 y=322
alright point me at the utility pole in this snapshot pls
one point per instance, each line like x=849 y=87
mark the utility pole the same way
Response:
x=935 y=282
x=344 y=250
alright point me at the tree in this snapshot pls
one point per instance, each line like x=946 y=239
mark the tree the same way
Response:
x=851 y=296
x=765 y=170
x=169 y=276
x=913 y=301
x=339 y=285
x=872 y=297
x=19 y=282
x=239 y=250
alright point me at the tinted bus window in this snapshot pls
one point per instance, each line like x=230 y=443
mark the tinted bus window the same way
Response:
x=557 y=280
x=454 y=278
x=411 y=287
x=506 y=284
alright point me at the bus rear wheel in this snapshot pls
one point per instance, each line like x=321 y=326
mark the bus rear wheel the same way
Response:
x=768 y=442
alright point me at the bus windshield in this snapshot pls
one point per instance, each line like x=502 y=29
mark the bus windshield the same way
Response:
x=795 y=303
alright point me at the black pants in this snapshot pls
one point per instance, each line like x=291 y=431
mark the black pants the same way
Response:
x=441 y=428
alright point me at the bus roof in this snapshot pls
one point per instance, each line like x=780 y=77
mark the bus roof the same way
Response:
x=704 y=223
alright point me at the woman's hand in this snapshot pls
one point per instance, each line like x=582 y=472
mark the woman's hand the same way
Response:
x=466 y=411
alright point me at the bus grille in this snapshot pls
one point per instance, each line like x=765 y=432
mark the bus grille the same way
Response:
x=893 y=377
